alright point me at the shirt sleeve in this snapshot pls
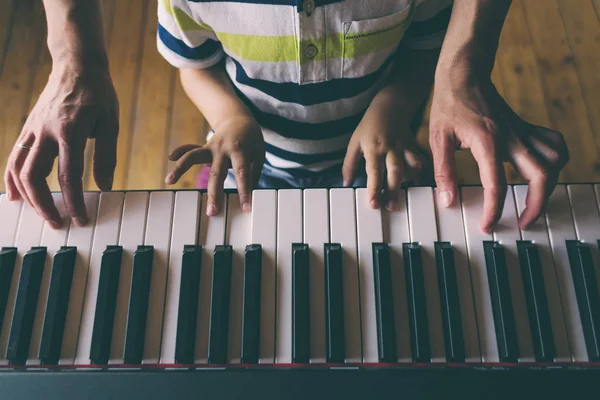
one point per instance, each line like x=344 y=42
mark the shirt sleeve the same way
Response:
x=429 y=24
x=184 y=41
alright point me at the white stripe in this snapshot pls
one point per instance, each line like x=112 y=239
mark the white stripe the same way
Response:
x=280 y=163
x=191 y=38
x=300 y=146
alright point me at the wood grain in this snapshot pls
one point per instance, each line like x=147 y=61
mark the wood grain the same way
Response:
x=153 y=108
x=6 y=19
x=22 y=53
x=560 y=81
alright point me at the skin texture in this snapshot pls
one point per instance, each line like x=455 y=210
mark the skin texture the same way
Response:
x=78 y=102
x=468 y=113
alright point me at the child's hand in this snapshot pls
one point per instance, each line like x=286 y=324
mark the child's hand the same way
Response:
x=390 y=149
x=237 y=143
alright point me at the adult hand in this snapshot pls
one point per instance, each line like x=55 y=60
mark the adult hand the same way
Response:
x=75 y=105
x=468 y=113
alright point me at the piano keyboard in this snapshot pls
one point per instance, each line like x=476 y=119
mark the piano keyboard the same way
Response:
x=310 y=276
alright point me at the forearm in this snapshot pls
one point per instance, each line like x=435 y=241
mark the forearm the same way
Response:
x=76 y=33
x=214 y=95
x=472 y=37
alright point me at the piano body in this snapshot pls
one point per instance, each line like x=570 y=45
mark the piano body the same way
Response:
x=310 y=294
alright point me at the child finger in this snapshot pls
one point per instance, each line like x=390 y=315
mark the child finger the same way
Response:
x=242 y=173
x=395 y=173
x=351 y=161
x=375 y=174
x=197 y=156
x=181 y=150
x=216 y=179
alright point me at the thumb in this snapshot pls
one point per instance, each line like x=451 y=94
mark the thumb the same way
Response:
x=105 y=152
x=442 y=148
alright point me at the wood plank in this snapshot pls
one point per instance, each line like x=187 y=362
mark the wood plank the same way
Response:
x=597 y=7
x=6 y=20
x=566 y=107
x=187 y=126
x=583 y=32
x=153 y=108
x=520 y=74
x=16 y=81
x=125 y=64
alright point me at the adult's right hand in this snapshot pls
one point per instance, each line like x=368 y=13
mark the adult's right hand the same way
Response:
x=76 y=104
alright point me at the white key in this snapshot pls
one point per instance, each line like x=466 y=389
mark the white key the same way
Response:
x=421 y=218
x=158 y=234
x=133 y=225
x=472 y=207
x=507 y=233
x=238 y=236
x=538 y=234
x=106 y=233
x=53 y=240
x=586 y=219
x=264 y=232
x=316 y=234
x=342 y=214
x=370 y=230
x=289 y=230
x=212 y=234
x=560 y=229
x=9 y=215
x=451 y=229
x=29 y=232
x=396 y=233
x=80 y=237
x=186 y=218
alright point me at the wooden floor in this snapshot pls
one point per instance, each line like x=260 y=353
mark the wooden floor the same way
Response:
x=548 y=69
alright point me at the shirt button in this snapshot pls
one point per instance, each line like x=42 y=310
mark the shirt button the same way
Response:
x=311 y=51
x=308 y=6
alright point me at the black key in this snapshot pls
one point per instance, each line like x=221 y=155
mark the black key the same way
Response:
x=300 y=304
x=135 y=333
x=57 y=304
x=417 y=306
x=8 y=256
x=106 y=301
x=537 y=302
x=187 y=314
x=586 y=291
x=451 y=317
x=251 y=308
x=25 y=305
x=502 y=308
x=334 y=304
x=219 y=306
x=384 y=306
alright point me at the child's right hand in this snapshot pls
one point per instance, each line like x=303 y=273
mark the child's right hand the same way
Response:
x=238 y=144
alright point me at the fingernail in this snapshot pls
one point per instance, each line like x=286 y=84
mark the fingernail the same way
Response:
x=246 y=207
x=373 y=204
x=392 y=205
x=445 y=198
x=9 y=196
x=345 y=183
x=211 y=210
x=54 y=225
x=169 y=177
x=79 y=221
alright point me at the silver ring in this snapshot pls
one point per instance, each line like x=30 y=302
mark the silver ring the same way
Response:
x=23 y=146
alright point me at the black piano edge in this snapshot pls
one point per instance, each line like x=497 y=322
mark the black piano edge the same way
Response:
x=318 y=382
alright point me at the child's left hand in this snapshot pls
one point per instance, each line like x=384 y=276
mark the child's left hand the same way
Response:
x=384 y=138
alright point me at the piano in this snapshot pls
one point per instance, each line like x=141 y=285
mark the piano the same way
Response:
x=311 y=293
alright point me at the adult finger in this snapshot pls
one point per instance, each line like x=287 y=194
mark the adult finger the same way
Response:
x=216 y=179
x=493 y=179
x=15 y=163
x=70 y=172
x=11 y=189
x=242 y=173
x=443 y=147
x=33 y=176
x=181 y=150
x=351 y=161
x=197 y=156
x=395 y=172
x=374 y=164
x=105 y=153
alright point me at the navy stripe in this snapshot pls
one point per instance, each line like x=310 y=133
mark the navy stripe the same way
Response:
x=304 y=159
x=313 y=93
x=430 y=26
x=296 y=3
x=202 y=52
x=303 y=130
x=301 y=173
